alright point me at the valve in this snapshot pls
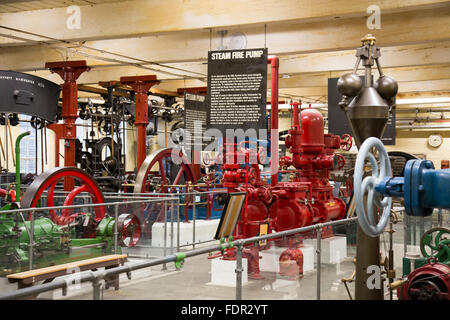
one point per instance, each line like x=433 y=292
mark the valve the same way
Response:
x=422 y=187
x=346 y=142
x=340 y=161
x=285 y=162
x=437 y=240
x=367 y=222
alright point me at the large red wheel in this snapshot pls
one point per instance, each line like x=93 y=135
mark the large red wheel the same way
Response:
x=157 y=173
x=50 y=179
x=160 y=169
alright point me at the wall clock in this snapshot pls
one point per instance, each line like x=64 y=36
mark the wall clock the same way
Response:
x=435 y=140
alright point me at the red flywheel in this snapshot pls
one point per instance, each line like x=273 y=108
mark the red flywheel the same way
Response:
x=50 y=179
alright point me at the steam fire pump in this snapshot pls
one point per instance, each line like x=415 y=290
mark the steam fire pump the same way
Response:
x=307 y=199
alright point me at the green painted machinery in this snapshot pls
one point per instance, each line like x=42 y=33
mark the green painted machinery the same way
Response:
x=82 y=235
x=52 y=244
x=434 y=245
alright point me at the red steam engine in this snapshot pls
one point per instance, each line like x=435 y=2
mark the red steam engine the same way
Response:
x=305 y=200
x=308 y=198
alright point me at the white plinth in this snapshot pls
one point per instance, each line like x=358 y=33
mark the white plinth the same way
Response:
x=334 y=249
x=204 y=230
x=269 y=261
x=223 y=272
x=399 y=253
x=308 y=258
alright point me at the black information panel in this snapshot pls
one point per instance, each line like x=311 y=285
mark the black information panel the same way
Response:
x=26 y=94
x=195 y=116
x=337 y=121
x=237 y=89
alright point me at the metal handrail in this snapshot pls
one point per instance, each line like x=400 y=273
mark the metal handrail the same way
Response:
x=96 y=276
x=105 y=204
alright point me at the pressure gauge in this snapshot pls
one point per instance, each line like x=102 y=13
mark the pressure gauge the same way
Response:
x=435 y=140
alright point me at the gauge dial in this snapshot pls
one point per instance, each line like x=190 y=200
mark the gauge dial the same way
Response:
x=435 y=140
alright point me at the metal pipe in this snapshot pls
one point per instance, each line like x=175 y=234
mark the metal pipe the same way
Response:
x=96 y=285
x=148 y=195
x=417 y=119
x=94 y=245
x=178 y=225
x=171 y=227
x=193 y=224
x=274 y=63
x=423 y=127
x=424 y=110
x=165 y=234
x=391 y=258
x=239 y=272
x=293 y=231
x=368 y=76
x=86 y=205
x=6 y=144
x=19 y=138
x=406 y=237
x=31 y=235
x=319 y=264
x=116 y=232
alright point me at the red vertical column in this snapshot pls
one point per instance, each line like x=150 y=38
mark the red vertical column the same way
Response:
x=141 y=85
x=69 y=71
x=274 y=63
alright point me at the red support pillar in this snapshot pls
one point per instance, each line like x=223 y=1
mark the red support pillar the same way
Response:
x=69 y=72
x=141 y=85
x=59 y=134
x=274 y=63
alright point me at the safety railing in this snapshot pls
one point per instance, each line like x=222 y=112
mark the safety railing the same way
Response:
x=95 y=277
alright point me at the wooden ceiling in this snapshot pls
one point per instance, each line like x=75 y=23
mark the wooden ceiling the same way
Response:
x=315 y=40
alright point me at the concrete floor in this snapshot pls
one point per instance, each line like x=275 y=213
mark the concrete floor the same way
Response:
x=192 y=282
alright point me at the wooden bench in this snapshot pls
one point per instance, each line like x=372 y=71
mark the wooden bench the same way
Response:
x=29 y=278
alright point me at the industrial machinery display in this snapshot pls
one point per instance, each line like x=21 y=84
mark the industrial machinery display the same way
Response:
x=368 y=105
x=427 y=277
x=308 y=198
x=420 y=188
x=58 y=238
x=45 y=237
x=295 y=193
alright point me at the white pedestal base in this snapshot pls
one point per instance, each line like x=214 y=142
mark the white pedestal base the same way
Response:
x=269 y=261
x=223 y=272
x=204 y=230
x=334 y=249
x=399 y=253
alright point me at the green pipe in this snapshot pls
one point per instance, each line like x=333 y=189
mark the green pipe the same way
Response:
x=18 y=163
